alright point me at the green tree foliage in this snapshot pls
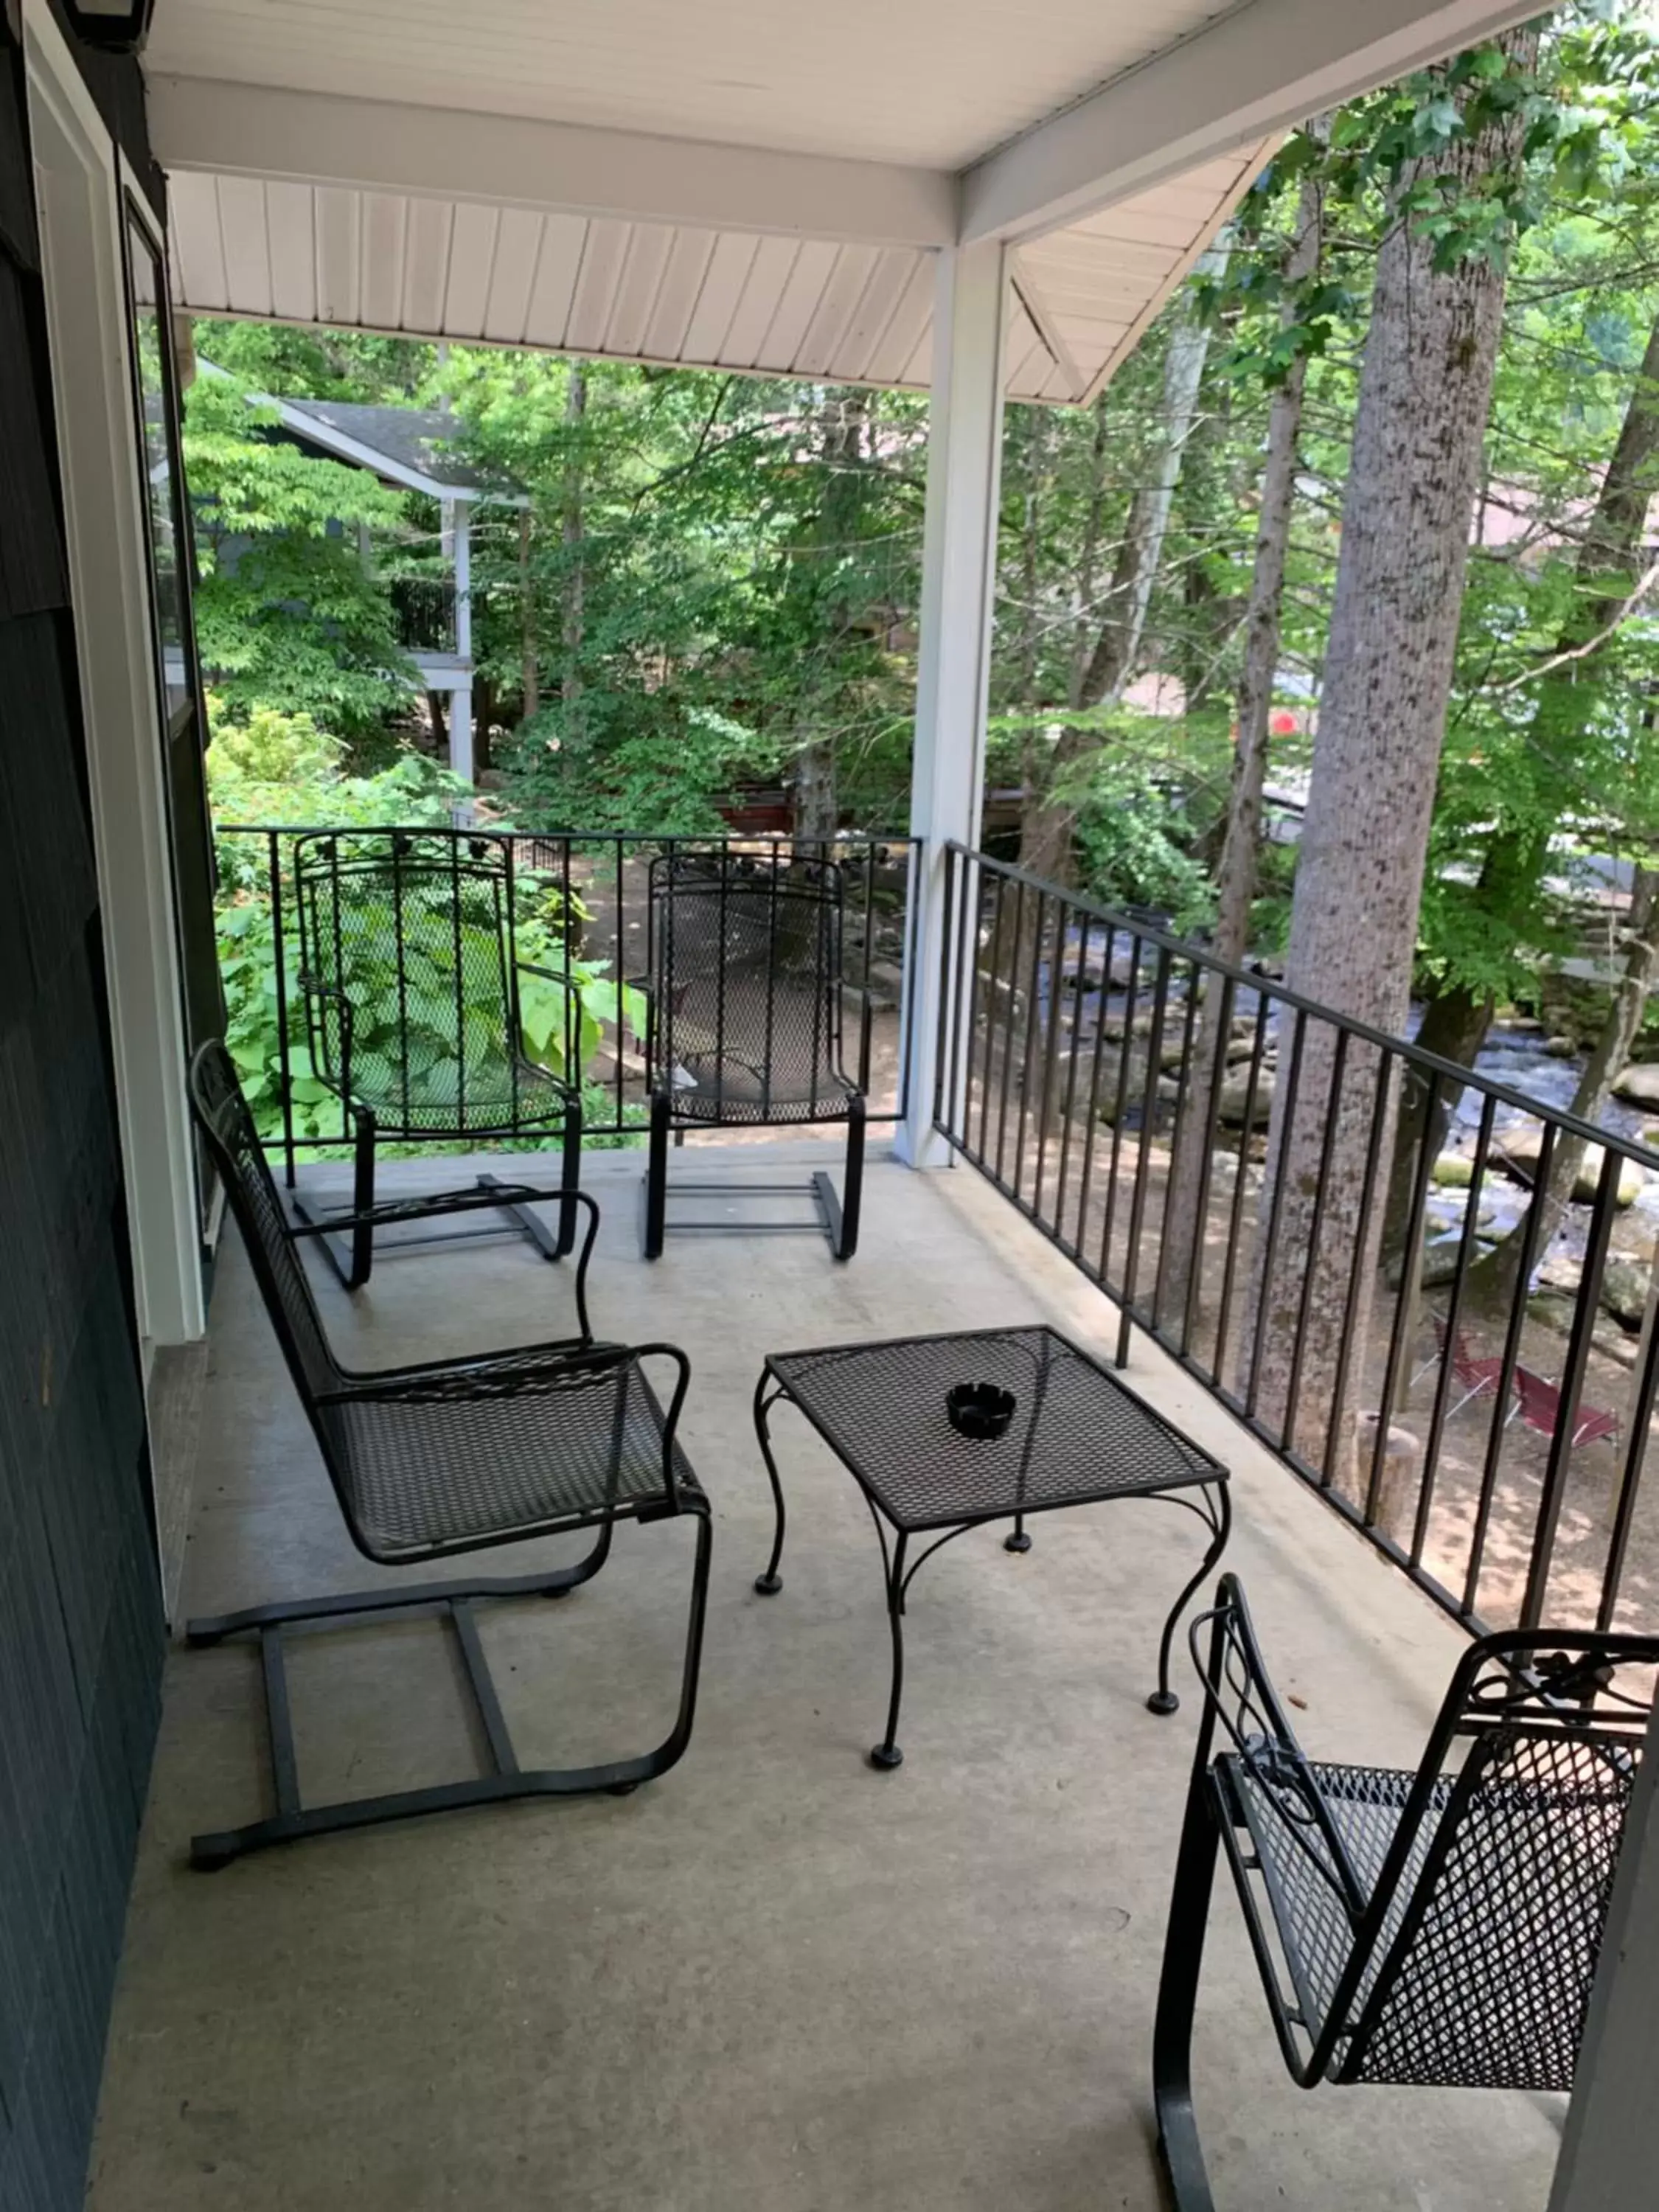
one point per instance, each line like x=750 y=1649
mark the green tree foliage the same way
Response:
x=716 y=581
x=744 y=552
x=288 y=612
x=276 y=769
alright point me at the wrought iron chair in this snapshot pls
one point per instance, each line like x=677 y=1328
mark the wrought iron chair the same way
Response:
x=1435 y=1928
x=452 y=1456
x=743 y=1026
x=410 y=978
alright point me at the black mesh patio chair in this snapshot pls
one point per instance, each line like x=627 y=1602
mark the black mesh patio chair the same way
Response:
x=744 y=1024
x=1437 y=1929
x=454 y=1455
x=410 y=978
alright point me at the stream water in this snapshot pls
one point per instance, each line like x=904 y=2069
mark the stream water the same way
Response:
x=1512 y=1055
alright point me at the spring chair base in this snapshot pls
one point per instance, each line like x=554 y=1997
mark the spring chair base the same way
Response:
x=835 y=1218
x=294 y=1820
x=351 y=1256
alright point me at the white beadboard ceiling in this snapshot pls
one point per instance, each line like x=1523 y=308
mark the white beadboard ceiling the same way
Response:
x=642 y=291
x=935 y=83
x=749 y=185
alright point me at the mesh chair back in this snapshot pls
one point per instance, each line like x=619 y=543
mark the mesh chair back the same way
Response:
x=746 y=981
x=408 y=978
x=225 y=1123
x=1487 y=1977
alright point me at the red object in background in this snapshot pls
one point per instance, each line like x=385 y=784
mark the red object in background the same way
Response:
x=760 y=811
x=1540 y=1409
x=1283 y=725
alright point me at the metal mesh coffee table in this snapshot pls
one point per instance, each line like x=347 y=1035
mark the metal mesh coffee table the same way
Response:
x=947 y=1432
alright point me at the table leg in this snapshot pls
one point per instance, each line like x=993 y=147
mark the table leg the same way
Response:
x=887 y=1753
x=771 y=1582
x=1019 y=1541
x=1163 y=1698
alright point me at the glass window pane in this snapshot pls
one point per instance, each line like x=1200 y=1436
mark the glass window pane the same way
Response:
x=161 y=478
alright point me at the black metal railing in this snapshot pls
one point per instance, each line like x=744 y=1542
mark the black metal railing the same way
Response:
x=1320 y=1222
x=591 y=891
x=423 y=608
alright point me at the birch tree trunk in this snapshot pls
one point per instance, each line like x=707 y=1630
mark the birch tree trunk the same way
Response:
x=529 y=661
x=573 y=626
x=1049 y=821
x=843 y=422
x=1425 y=392
x=1237 y=877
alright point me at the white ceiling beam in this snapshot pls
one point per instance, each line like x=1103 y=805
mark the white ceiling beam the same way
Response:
x=1264 y=67
x=261 y=130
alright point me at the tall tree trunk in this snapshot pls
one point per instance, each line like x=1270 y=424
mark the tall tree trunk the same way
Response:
x=1264 y=616
x=1424 y=394
x=1100 y=676
x=529 y=657
x=841 y=423
x=572 y=628
x=1262 y=623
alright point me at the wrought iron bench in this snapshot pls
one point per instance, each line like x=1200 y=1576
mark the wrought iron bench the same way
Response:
x=1435 y=1928
x=743 y=1026
x=455 y=1456
x=410 y=978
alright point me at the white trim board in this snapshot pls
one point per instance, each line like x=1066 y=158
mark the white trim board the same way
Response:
x=80 y=182
x=382 y=145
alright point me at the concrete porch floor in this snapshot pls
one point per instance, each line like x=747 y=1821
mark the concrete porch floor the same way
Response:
x=774 y=1980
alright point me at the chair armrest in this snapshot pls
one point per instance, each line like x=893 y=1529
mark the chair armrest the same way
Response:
x=563 y=1362
x=1241 y=1702
x=469 y=1201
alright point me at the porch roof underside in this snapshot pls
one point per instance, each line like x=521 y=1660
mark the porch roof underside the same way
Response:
x=704 y=183
x=682 y=294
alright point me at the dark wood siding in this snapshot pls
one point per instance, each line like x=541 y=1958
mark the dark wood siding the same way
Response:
x=81 y=1632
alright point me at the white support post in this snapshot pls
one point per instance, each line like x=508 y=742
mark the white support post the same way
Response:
x=1610 y=2151
x=958 y=571
x=460 y=700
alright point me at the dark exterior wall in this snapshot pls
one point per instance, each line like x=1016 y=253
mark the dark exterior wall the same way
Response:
x=81 y=1632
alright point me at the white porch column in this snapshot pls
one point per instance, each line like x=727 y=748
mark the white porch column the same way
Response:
x=460 y=700
x=958 y=566
x=1610 y=2152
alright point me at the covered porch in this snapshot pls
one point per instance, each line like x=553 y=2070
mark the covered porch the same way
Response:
x=775 y=1979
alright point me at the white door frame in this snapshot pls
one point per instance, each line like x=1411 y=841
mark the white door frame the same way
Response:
x=79 y=181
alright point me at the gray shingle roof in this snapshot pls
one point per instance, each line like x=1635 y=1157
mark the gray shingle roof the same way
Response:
x=425 y=438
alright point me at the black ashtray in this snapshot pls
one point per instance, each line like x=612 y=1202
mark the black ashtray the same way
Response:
x=980 y=1411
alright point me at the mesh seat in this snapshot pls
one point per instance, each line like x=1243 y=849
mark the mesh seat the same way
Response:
x=1317 y=1933
x=432 y=1468
x=1438 y=1929
x=493 y=1098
